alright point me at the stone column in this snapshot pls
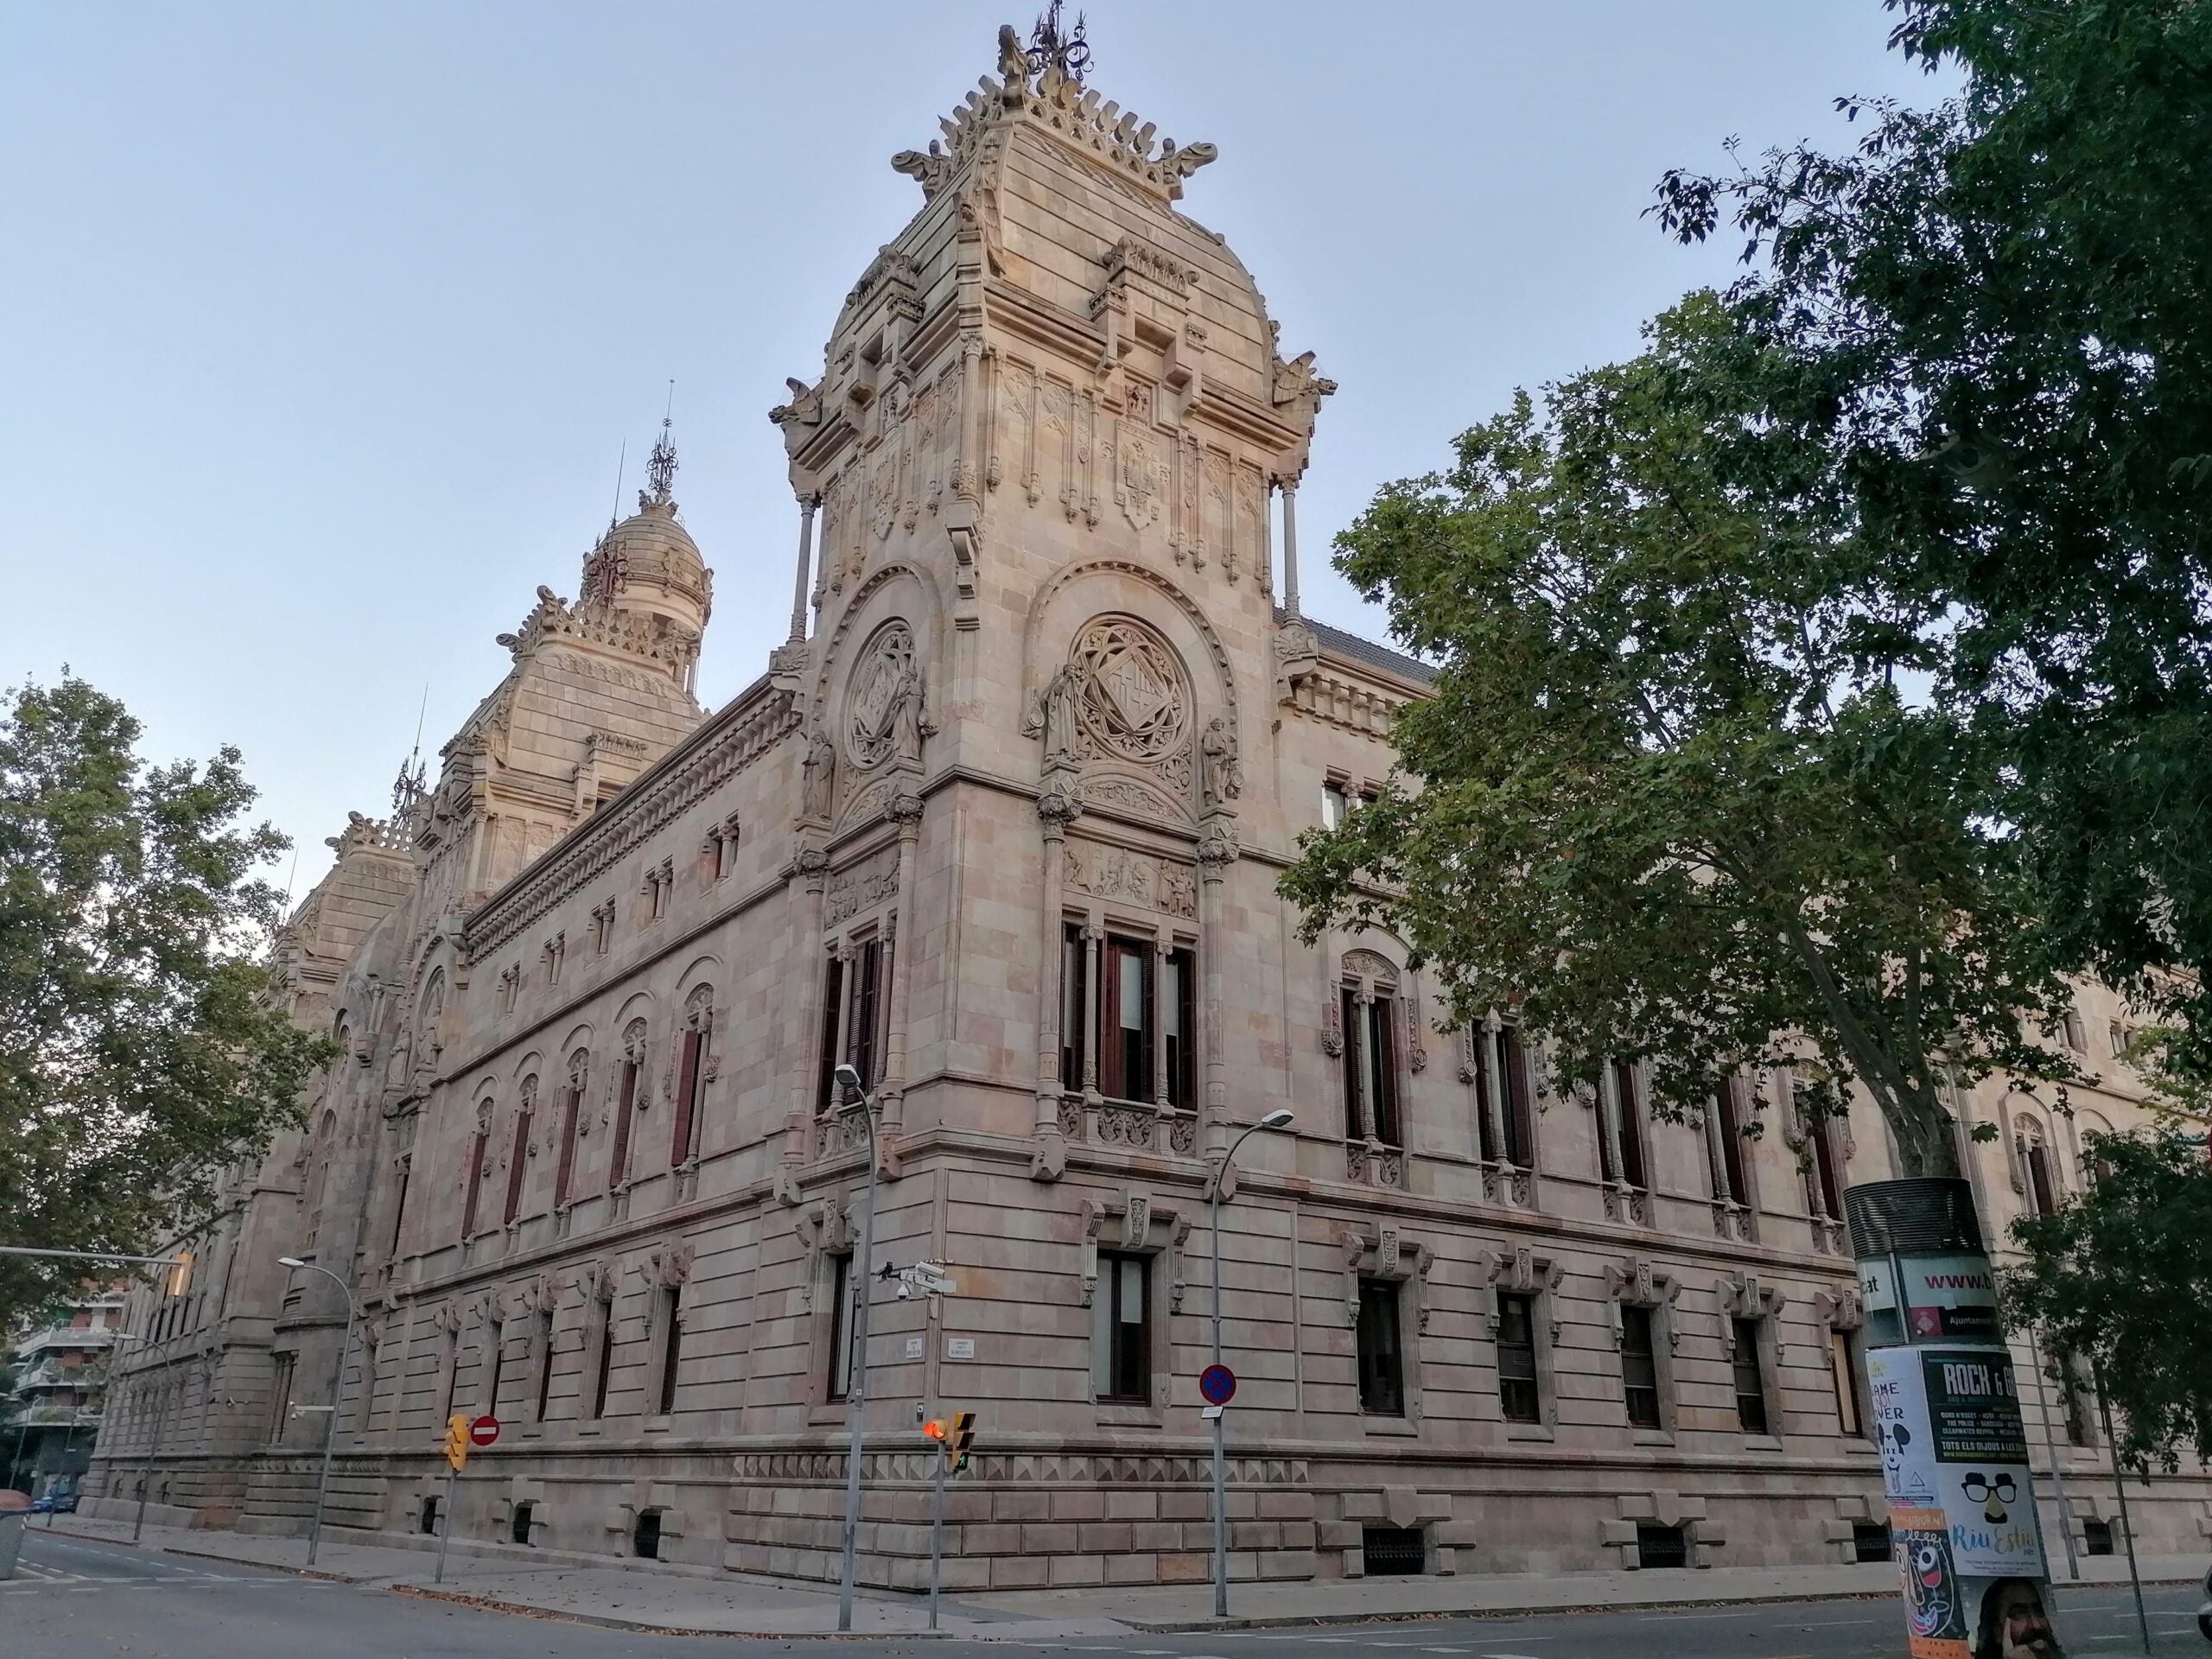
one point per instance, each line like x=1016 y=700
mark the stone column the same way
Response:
x=1161 y=944
x=905 y=810
x=1359 y=1054
x=813 y=871
x=1609 y=1121
x=1094 y=1036
x=1057 y=806
x=800 y=582
x=1493 y=1101
x=1216 y=852
x=1289 y=487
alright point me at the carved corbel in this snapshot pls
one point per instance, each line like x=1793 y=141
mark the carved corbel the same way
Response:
x=670 y=1265
x=1521 y=1271
x=1633 y=1282
x=1743 y=1295
x=1838 y=1308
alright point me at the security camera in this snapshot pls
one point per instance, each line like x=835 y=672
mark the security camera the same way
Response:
x=906 y=1291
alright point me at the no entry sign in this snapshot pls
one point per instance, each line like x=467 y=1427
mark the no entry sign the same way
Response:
x=484 y=1431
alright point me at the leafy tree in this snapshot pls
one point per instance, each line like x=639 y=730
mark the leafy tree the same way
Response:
x=141 y=1048
x=1673 y=796
x=1998 y=311
x=2118 y=1279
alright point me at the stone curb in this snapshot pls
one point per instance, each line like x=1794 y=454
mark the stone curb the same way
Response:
x=1200 y=1626
x=605 y=1621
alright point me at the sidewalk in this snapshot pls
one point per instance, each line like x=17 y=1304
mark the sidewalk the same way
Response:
x=643 y=1595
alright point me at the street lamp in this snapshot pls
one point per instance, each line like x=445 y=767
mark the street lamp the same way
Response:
x=1278 y=1118
x=337 y=1390
x=853 y=1097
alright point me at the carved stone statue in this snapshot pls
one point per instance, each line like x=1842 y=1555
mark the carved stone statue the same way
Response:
x=1055 y=715
x=1221 y=776
x=1013 y=62
x=905 y=711
x=817 y=777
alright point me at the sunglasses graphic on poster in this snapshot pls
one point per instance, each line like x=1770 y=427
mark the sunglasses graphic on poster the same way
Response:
x=1961 y=1501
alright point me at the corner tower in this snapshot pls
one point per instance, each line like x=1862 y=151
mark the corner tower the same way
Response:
x=1043 y=446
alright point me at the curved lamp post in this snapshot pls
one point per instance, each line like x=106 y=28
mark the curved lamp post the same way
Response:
x=852 y=1098
x=1278 y=1118
x=337 y=1391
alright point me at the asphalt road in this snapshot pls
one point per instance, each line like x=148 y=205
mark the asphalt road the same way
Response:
x=73 y=1599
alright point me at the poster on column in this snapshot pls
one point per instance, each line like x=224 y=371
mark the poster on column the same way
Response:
x=1962 y=1499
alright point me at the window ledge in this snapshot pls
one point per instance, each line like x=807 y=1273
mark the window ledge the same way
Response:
x=830 y=1412
x=589 y=1429
x=1401 y=1427
x=1530 y=1432
x=1653 y=1436
x=1111 y=1415
x=657 y=1424
x=1763 y=1442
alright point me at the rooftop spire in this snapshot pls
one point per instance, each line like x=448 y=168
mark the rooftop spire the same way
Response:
x=1050 y=48
x=660 y=466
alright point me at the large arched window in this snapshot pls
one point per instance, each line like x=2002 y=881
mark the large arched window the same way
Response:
x=1367 y=1008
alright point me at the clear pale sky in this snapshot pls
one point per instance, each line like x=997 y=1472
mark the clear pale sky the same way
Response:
x=322 y=325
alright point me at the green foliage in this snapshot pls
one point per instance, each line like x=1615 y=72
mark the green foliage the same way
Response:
x=1999 y=312
x=1671 y=797
x=141 y=1049
x=2119 y=1279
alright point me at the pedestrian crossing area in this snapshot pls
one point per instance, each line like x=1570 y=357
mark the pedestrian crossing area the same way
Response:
x=34 y=1577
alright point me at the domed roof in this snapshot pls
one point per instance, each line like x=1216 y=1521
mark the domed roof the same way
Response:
x=650 y=554
x=650 y=547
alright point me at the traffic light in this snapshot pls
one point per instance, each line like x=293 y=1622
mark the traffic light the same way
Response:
x=457 y=1439
x=934 y=1428
x=963 y=1436
x=179 y=1276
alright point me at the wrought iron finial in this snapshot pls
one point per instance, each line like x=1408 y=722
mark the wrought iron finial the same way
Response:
x=413 y=783
x=660 y=466
x=1052 y=48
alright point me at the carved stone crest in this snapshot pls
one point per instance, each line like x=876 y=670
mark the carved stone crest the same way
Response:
x=1140 y=475
x=883 y=709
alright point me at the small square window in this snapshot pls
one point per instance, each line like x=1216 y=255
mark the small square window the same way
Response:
x=1639 y=1367
x=2096 y=1537
x=1120 y=1329
x=1751 y=1384
x=1517 y=1396
x=1869 y=1540
x=1381 y=1369
x=1662 y=1547
x=1335 y=806
x=840 y=1329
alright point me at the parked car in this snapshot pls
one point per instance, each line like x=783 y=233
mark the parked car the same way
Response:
x=54 y=1503
x=2204 y=1613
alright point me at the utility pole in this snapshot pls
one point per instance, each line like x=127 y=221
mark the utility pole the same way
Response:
x=861 y=1278
x=1277 y=1119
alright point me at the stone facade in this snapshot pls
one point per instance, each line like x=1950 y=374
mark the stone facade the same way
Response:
x=1000 y=826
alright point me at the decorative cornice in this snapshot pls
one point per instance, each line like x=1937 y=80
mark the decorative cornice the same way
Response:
x=724 y=747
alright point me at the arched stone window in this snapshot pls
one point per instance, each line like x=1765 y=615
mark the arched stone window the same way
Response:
x=518 y=1151
x=2035 y=1172
x=572 y=1099
x=628 y=1102
x=693 y=1063
x=1367 y=1015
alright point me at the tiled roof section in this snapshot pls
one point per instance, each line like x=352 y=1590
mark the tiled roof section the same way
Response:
x=1366 y=651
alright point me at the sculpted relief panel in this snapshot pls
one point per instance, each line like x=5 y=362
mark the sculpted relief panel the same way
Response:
x=1114 y=872
x=861 y=887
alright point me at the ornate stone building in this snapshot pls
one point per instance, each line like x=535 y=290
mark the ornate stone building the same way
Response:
x=1000 y=826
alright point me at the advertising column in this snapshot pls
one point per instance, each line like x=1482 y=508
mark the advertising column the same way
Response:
x=1947 y=1420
